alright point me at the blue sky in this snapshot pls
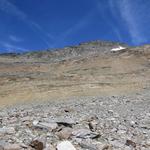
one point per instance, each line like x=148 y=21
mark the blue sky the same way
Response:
x=40 y=24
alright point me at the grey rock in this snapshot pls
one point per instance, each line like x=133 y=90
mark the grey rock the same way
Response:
x=46 y=126
x=106 y=147
x=1 y=147
x=2 y=144
x=12 y=147
x=88 y=146
x=49 y=147
x=84 y=133
x=49 y=126
x=65 y=133
x=93 y=125
x=67 y=122
x=117 y=144
x=7 y=130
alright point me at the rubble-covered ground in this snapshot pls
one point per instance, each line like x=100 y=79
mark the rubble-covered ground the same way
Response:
x=85 y=123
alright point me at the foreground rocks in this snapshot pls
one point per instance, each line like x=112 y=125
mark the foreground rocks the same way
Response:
x=89 y=123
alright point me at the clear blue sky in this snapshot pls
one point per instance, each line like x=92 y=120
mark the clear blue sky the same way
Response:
x=41 y=24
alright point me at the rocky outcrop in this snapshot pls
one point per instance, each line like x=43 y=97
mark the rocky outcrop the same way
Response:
x=83 y=50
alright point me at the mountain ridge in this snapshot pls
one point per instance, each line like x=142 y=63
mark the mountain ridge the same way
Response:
x=90 y=69
x=82 y=44
x=83 y=49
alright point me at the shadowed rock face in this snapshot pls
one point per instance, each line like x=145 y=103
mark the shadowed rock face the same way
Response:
x=85 y=70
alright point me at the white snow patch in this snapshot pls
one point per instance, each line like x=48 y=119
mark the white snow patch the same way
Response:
x=118 y=49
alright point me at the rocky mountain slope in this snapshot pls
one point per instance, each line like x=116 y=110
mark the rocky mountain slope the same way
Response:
x=88 y=69
x=94 y=96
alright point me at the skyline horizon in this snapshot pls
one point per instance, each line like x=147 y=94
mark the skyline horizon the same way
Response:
x=67 y=46
x=32 y=25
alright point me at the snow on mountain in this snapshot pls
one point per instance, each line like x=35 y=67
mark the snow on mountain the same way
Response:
x=118 y=49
